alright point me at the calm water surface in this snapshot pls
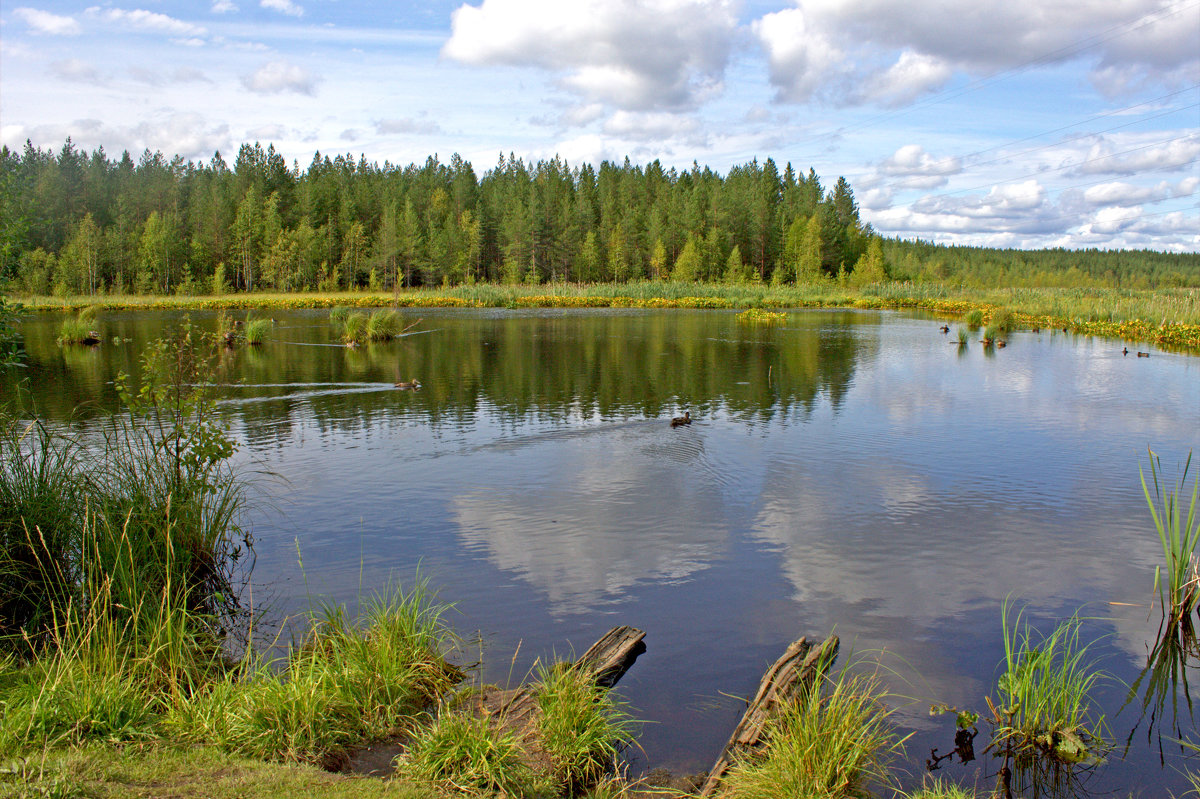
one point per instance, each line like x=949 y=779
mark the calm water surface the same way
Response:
x=847 y=472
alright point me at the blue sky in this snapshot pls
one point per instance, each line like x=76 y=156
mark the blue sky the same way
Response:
x=1008 y=123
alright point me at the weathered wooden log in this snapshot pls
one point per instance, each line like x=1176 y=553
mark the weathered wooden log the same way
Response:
x=796 y=671
x=605 y=662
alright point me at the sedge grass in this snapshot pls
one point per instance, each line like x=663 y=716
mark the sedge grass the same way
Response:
x=258 y=331
x=342 y=684
x=467 y=754
x=757 y=316
x=354 y=328
x=1044 y=715
x=1178 y=586
x=834 y=741
x=581 y=727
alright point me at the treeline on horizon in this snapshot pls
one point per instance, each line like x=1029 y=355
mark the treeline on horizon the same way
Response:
x=78 y=223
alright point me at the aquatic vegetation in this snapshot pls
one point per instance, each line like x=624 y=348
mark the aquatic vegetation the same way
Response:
x=354 y=328
x=1003 y=321
x=834 y=741
x=1179 y=587
x=258 y=330
x=1042 y=719
x=963 y=337
x=80 y=328
x=338 y=314
x=756 y=316
x=383 y=325
x=973 y=319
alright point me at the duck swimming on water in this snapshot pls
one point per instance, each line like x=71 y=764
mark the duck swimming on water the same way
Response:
x=679 y=421
x=413 y=384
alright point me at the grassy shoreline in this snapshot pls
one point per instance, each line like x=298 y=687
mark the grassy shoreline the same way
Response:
x=1166 y=318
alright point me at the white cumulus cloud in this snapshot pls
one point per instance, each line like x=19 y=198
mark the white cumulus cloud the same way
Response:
x=46 y=23
x=635 y=55
x=152 y=21
x=277 y=77
x=283 y=7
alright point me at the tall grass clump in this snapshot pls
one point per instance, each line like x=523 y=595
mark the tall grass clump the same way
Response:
x=1043 y=719
x=973 y=319
x=1179 y=586
x=383 y=325
x=338 y=314
x=833 y=741
x=467 y=754
x=80 y=328
x=1002 y=322
x=354 y=328
x=581 y=727
x=341 y=684
x=258 y=331
x=149 y=503
x=963 y=337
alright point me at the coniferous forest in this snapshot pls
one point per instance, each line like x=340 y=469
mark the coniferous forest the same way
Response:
x=79 y=223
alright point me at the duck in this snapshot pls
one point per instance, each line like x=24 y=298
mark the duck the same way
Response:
x=1124 y=350
x=405 y=384
x=1037 y=330
x=944 y=328
x=679 y=421
x=1143 y=355
x=1001 y=343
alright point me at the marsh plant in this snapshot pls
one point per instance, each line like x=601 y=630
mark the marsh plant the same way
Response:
x=1178 y=585
x=148 y=503
x=341 y=683
x=834 y=741
x=80 y=328
x=1002 y=322
x=973 y=319
x=258 y=331
x=1043 y=722
x=354 y=328
x=757 y=316
x=581 y=727
x=467 y=754
x=963 y=337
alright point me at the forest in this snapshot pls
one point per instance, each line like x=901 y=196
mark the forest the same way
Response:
x=79 y=223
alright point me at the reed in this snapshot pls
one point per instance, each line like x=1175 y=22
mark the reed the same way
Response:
x=834 y=741
x=1178 y=586
x=756 y=316
x=80 y=328
x=973 y=319
x=338 y=314
x=963 y=337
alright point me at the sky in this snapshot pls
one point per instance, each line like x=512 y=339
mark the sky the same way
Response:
x=1007 y=123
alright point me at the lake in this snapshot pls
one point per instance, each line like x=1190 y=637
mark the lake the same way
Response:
x=846 y=472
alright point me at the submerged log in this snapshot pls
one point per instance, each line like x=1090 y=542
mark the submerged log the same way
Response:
x=795 y=672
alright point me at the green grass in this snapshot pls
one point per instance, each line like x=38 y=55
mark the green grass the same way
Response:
x=338 y=314
x=581 y=727
x=258 y=331
x=973 y=319
x=833 y=742
x=342 y=684
x=1044 y=708
x=466 y=754
x=1179 y=585
x=157 y=769
x=354 y=328
x=963 y=337
x=937 y=789
x=756 y=316
x=383 y=325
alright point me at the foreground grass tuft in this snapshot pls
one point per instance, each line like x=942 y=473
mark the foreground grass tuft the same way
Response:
x=830 y=743
x=581 y=727
x=461 y=752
